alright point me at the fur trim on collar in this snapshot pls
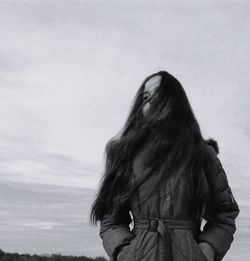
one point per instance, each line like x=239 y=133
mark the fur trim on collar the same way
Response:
x=214 y=144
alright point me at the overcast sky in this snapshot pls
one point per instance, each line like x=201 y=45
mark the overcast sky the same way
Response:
x=70 y=69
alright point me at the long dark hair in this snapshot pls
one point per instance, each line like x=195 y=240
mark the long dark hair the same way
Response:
x=175 y=141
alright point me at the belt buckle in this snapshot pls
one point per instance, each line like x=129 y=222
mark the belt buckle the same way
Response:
x=152 y=224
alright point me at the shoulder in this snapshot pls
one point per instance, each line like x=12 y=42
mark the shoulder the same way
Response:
x=211 y=159
x=211 y=149
x=212 y=145
x=213 y=166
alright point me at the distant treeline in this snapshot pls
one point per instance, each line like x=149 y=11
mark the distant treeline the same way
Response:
x=54 y=257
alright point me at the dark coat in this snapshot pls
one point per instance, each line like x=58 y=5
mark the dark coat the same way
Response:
x=153 y=242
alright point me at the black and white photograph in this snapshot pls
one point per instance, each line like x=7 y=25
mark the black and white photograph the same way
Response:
x=124 y=130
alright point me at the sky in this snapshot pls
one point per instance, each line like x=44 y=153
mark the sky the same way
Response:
x=69 y=71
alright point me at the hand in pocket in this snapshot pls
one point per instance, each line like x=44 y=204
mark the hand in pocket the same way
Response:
x=122 y=253
x=207 y=250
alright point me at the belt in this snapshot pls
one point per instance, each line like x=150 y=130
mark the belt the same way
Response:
x=164 y=228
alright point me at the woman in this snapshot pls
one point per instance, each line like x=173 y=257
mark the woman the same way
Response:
x=161 y=179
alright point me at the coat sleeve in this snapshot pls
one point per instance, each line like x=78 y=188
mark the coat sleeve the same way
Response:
x=115 y=232
x=220 y=226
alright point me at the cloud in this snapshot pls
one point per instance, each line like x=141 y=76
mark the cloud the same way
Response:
x=70 y=69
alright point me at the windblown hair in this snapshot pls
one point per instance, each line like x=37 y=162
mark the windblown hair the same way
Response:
x=175 y=141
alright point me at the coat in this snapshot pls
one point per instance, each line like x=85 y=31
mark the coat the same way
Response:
x=155 y=238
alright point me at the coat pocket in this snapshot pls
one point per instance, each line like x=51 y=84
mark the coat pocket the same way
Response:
x=127 y=252
x=122 y=254
x=197 y=250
